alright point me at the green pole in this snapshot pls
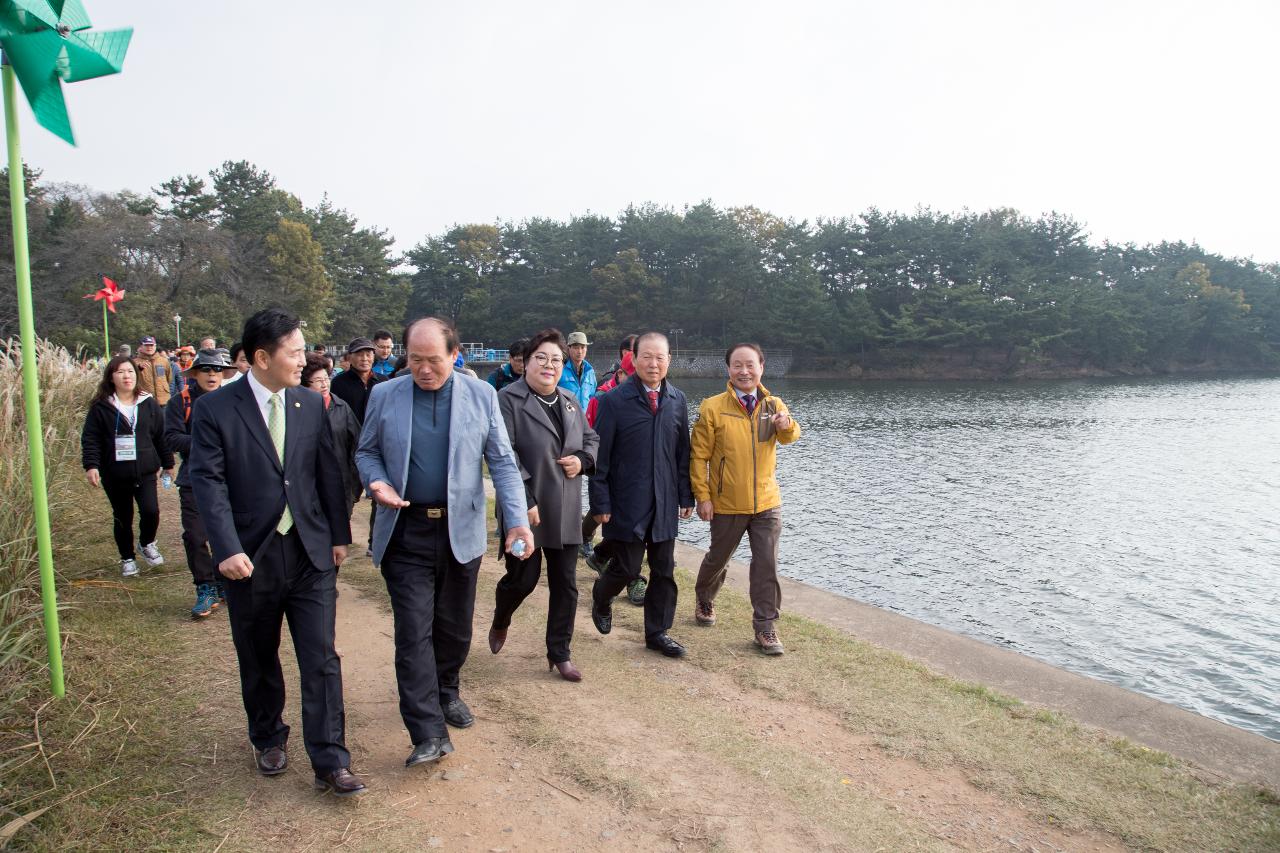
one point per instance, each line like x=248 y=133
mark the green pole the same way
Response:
x=106 y=336
x=31 y=387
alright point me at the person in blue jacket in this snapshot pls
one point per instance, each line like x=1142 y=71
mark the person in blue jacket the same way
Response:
x=579 y=377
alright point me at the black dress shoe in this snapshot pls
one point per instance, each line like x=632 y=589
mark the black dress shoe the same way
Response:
x=431 y=749
x=458 y=715
x=273 y=761
x=602 y=618
x=497 y=637
x=663 y=643
x=341 y=782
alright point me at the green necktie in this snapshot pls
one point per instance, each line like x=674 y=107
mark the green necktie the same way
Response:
x=275 y=426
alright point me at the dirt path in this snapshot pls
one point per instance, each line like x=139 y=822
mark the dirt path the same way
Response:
x=644 y=754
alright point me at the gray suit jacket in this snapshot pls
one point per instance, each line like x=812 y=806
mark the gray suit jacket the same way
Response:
x=476 y=433
x=537 y=447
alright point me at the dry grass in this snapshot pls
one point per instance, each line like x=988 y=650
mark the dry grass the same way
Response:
x=1066 y=773
x=65 y=391
x=129 y=732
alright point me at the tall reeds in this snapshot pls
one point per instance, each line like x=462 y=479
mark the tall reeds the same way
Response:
x=65 y=389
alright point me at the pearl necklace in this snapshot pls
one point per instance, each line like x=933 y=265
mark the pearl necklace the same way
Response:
x=549 y=405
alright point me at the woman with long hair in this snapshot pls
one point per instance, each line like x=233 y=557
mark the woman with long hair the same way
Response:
x=122 y=447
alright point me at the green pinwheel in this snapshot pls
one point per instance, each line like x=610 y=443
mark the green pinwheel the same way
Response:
x=46 y=43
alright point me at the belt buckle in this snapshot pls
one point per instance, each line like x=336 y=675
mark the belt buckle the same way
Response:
x=435 y=512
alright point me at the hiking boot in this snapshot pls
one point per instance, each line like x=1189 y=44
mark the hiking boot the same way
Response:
x=586 y=550
x=769 y=643
x=704 y=613
x=206 y=600
x=128 y=568
x=635 y=591
x=151 y=554
x=593 y=562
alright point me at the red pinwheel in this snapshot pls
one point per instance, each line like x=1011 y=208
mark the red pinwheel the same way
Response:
x=109 y=292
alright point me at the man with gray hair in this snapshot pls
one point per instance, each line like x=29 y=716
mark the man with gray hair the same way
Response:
x=641 y=487
x=424 y=438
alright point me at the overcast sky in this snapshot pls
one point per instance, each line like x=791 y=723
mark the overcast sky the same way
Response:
x=1144 y=121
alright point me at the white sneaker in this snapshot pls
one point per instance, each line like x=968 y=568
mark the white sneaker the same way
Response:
x=151 y=554
x=128 y=568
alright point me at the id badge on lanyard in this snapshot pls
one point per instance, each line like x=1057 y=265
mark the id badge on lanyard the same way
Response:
x=127 y=445
x=126 y=448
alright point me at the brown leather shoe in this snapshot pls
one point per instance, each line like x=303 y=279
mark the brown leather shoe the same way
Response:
x=497 y=636
x=567 y=670
x=342 y=782
x=272 y=761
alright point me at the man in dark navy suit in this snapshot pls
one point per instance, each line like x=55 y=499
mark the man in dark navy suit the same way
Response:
x=269 y=488
x=641 y=489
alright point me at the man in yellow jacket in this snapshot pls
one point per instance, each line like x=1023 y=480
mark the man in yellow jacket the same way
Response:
x=732 y=459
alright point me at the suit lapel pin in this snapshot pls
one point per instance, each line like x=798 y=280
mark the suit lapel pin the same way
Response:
x=297 y=405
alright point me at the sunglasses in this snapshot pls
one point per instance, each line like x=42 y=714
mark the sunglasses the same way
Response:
x=208 y=369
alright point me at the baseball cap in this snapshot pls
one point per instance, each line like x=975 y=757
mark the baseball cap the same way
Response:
x=358 y=344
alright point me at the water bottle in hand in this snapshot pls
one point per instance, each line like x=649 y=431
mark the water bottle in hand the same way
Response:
x=517 y=549
x=166 y=481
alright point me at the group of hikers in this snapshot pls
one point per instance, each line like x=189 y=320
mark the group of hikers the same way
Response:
x=278 y=443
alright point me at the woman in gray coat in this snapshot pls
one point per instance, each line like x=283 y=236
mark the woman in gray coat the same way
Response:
x=554 y=447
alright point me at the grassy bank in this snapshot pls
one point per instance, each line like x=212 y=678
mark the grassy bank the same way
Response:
x=65 y=390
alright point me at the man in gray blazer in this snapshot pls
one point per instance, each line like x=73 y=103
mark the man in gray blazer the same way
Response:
x=424 y=437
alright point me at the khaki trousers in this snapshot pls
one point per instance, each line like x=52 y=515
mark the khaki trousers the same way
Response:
x=763 y=530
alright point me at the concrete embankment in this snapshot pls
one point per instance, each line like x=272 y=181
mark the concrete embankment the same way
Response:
x=1222 y=749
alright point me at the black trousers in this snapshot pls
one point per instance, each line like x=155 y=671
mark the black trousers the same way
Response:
x=285 y=583
x=195 y=541
x=521 y=578
x=123 y=494
x=660 y=598
x=433 y=599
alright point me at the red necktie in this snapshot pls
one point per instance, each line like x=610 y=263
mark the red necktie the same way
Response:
x=653 y=402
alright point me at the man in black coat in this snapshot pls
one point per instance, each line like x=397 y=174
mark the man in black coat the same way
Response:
x=640 y=487
x=354 y=386
x=269 y=489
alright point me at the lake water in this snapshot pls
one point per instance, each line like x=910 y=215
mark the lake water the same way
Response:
x=1127 y=530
